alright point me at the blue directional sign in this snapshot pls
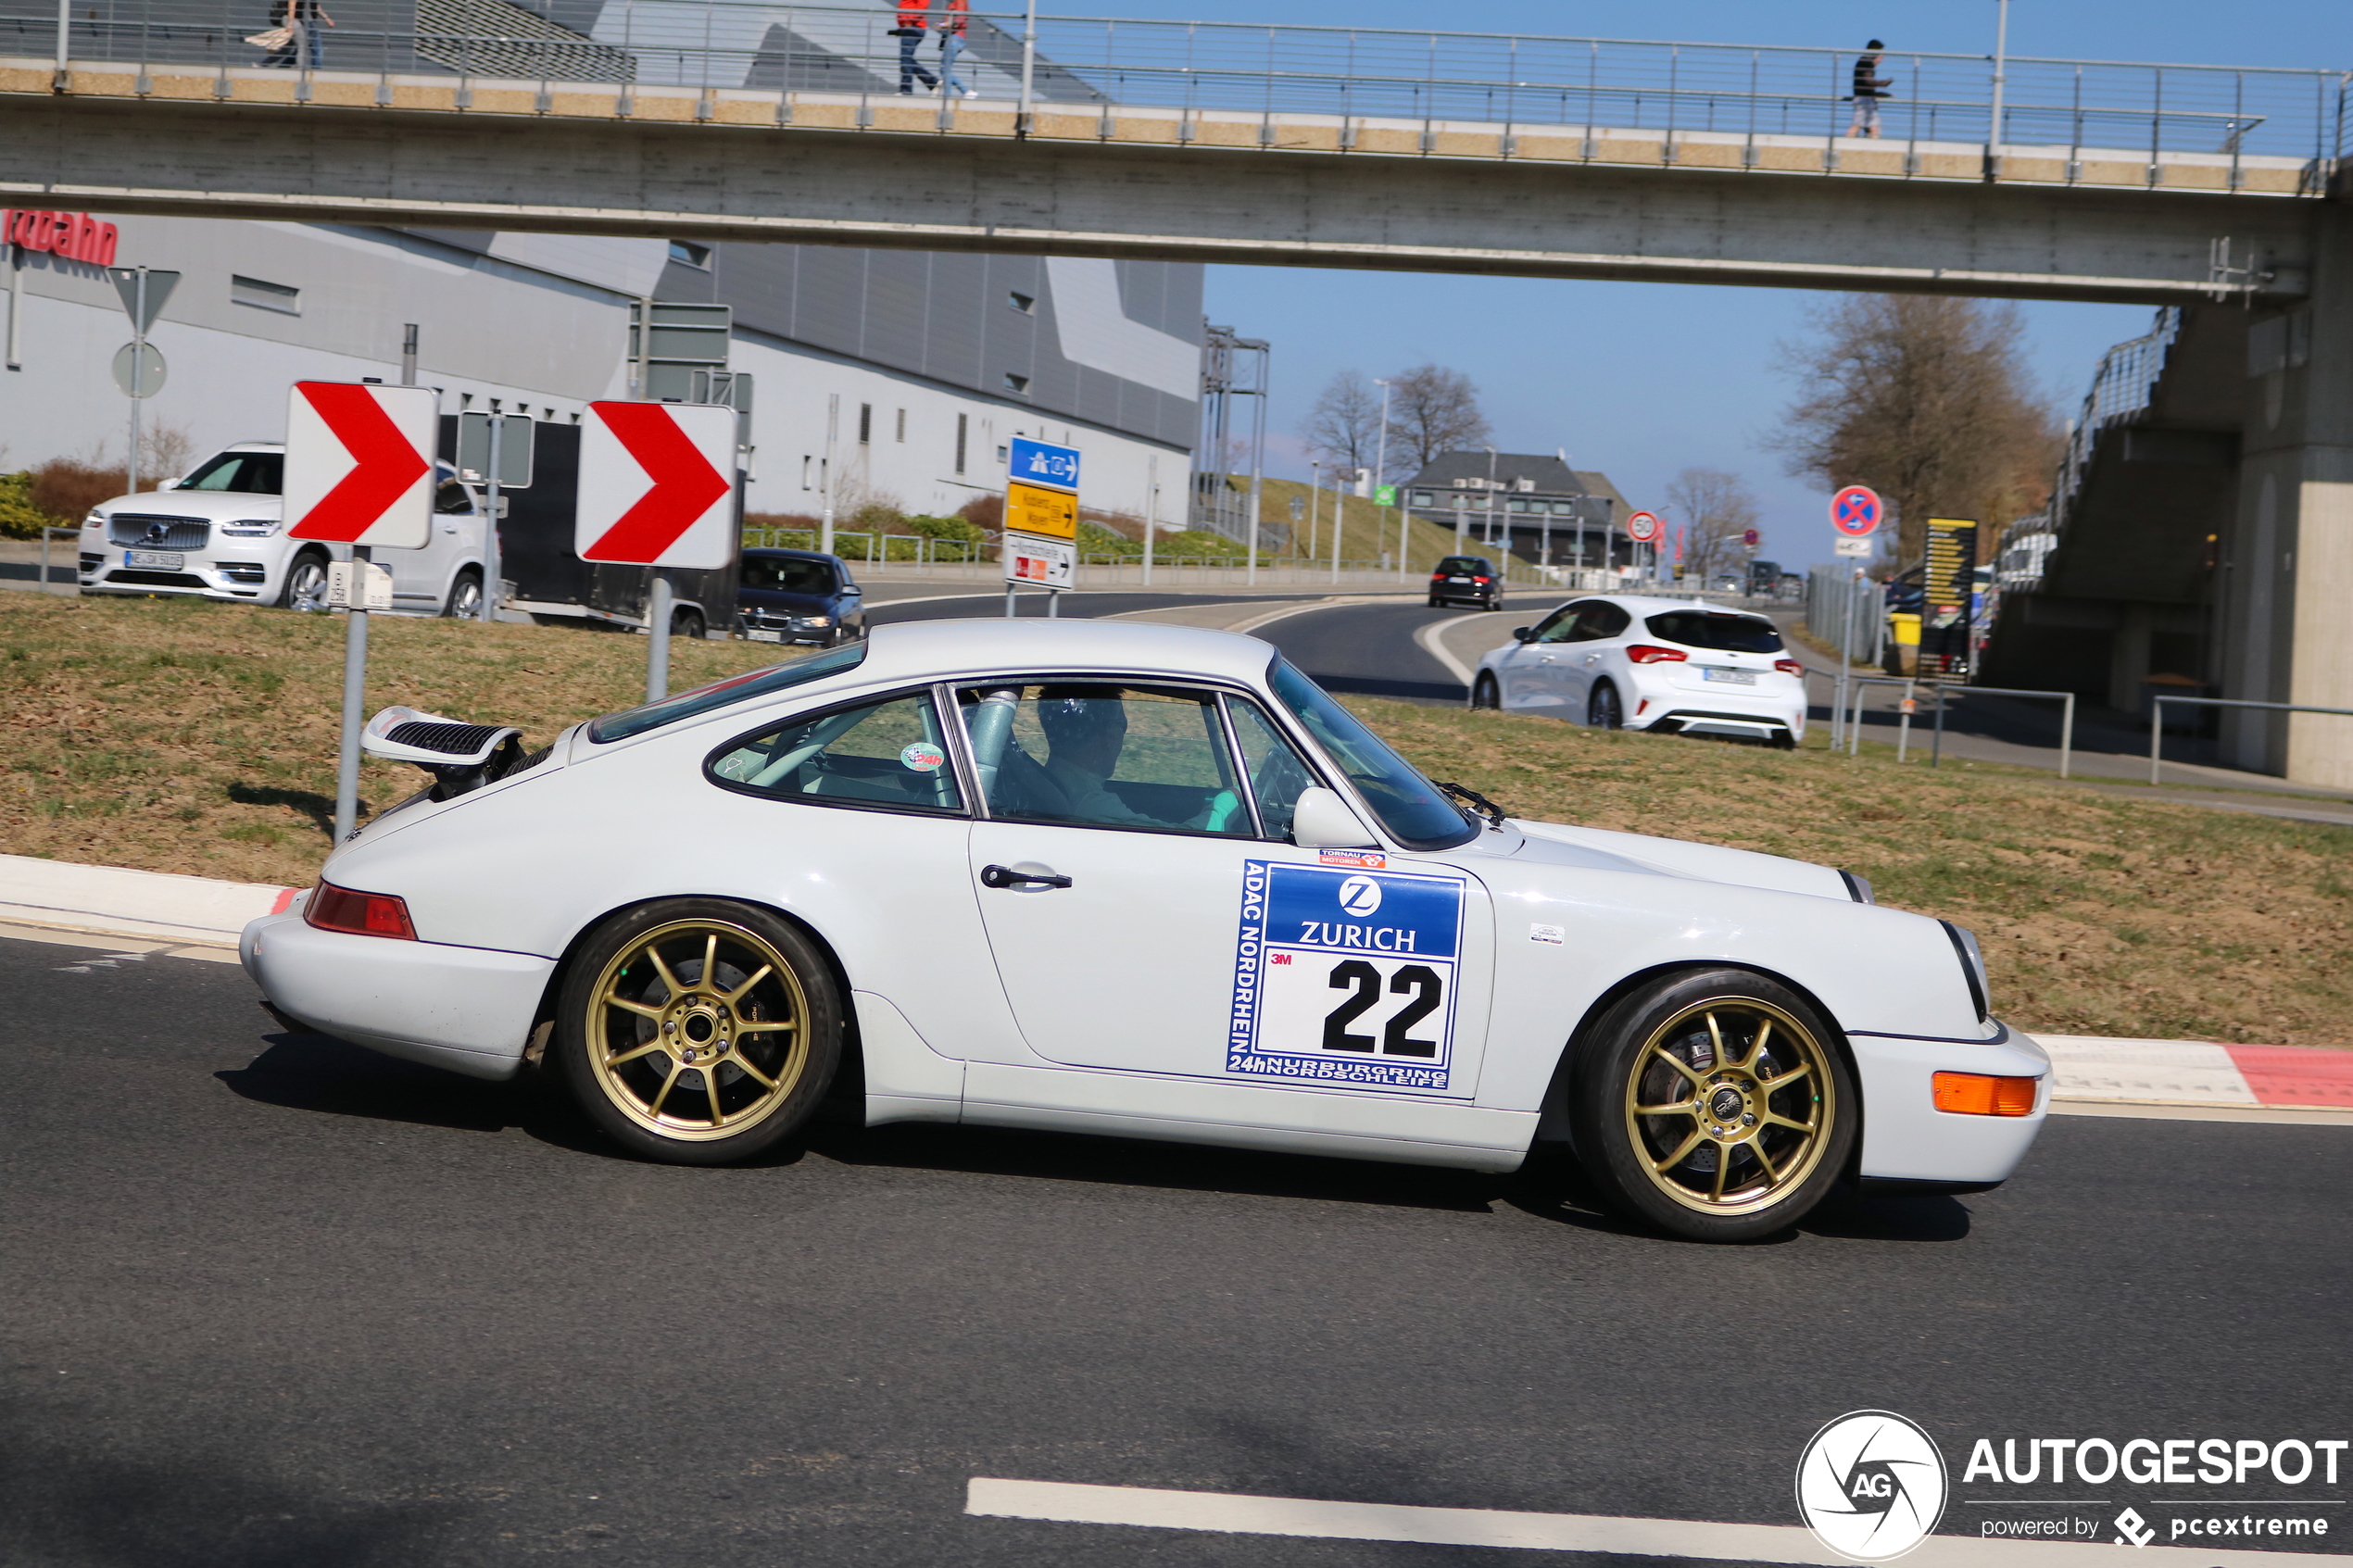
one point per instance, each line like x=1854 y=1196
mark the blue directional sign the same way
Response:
x=1036 y=462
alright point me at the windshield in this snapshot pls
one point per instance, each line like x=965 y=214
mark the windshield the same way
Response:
x=721 y=693
x=245 y=473
x=1409 y=806
x=1714 y=631
x=788 y=574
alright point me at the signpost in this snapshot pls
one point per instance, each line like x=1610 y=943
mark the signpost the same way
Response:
x=494 y=451
x=655 y=490
x=1857 y=512
x=358 y=472
x=1040 y=544
x=1645 y=528
x=138 y=369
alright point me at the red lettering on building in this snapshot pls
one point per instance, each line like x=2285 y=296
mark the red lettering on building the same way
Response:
x=76 y=236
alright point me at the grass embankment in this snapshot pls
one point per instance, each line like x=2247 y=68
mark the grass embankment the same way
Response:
x=187 y=737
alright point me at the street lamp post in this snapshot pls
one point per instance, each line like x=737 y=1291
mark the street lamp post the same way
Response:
x=1381 y=464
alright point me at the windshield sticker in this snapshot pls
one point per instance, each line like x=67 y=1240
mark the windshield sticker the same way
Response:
x=1345 y=976
x=923 y=758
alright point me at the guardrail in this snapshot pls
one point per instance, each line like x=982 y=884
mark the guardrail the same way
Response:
x=1501 y=79
x=2157 y=717
x=1850 y=739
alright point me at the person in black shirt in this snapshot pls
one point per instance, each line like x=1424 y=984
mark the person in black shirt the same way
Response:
x=1868 y=90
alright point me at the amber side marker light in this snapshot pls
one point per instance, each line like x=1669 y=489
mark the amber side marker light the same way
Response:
x=1975 y=1093
x=363 y=914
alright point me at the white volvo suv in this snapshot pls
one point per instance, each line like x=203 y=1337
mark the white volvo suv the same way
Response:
x=219 y=532
x=1676 y=666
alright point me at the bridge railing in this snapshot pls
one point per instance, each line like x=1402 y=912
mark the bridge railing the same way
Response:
x=1492 y=79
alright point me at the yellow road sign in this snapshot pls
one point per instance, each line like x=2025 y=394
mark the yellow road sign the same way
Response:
x=1031 y=509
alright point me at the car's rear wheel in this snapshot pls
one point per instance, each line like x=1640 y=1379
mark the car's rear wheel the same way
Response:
x=1716 y=1105
x=1485 y=693
x=687 y=624
x=1603 y=709
x=306 y=586
x=698 y=1031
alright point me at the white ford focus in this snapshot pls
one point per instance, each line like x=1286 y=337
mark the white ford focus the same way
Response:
x=1671 y=665
x=1147 y=881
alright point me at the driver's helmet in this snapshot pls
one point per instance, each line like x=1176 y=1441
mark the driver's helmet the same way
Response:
x=1077 y=714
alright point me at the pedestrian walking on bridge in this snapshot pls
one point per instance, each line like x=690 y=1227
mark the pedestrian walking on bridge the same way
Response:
x=1868 y=90
x=913 y=22
x=952 y=43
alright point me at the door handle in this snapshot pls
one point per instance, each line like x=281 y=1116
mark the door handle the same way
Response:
x=1006 y=876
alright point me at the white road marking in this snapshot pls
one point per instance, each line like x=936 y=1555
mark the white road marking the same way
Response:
x=1429 y=636
x=1237 y=1513
x=2280 y=1116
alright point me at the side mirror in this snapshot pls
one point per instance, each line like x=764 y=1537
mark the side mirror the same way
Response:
x=169 y=485
x=1321 y=820
x=1523 y=634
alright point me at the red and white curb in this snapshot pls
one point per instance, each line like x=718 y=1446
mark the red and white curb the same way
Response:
x=157 y=909
x=147 y=906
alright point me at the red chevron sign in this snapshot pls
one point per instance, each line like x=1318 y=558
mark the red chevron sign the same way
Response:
x=359 y=463
x=656 y=486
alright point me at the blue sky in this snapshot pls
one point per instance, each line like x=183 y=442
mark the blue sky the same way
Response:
x=1640 y=380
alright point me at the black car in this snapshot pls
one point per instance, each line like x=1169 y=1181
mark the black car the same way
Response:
x=798 y=597
x=1467 y=580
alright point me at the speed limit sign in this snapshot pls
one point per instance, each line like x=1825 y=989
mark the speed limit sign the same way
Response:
x=1642 y=527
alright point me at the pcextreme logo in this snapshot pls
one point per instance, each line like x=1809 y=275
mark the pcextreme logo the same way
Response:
x=1870 y=1486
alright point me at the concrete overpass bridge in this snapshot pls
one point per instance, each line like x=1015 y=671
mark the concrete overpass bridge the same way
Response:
x=2220 y=191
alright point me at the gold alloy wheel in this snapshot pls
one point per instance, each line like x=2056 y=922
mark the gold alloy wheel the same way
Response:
x=698 y=1030
x=1730 y=1105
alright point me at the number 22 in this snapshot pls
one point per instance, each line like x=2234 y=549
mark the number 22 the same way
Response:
x=1366 y=980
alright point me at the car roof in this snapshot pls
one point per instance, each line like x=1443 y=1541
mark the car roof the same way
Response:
x=1650 y=604
x=946 y=650
x=783 y=554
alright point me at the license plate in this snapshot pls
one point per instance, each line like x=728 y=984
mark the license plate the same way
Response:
x=165 y=560
x=1458 y=580
x=754 y=636
x=1731 y=677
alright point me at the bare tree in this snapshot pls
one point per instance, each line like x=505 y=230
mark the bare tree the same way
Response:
x=1432 y=410
x=166 y=449
x=1928 y=401
x=1344 y=425
x=1715 y=510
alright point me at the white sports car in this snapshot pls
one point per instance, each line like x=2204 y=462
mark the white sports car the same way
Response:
x=1138 y=880
x=1671 y=665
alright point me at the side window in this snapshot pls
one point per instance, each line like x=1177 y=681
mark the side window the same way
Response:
x=1104 y=756
x=450 y=498
x=1277 y=771
x=1605 y=621
x=891 y=754
x=1564 y=625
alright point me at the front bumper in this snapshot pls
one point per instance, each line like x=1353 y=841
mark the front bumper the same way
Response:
x=469 y=1009
x=1906 y=1139
x=215 y=571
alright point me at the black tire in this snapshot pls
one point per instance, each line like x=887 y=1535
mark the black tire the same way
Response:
x=1604 y=709
x=686 y=623
x=306 y=584
x=610 y=1054
x=465 y=597
x=1485 y=693
x=1435 y=602
x=1772 y=1107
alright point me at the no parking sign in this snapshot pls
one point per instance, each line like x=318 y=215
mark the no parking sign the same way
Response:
x=1856 y=511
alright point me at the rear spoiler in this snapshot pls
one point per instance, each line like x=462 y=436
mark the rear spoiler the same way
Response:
x=459 y=756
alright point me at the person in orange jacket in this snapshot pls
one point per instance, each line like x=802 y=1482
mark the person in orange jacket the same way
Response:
x=914 y=22
x=952 y=43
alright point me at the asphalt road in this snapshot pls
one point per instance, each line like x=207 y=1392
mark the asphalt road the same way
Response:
x=272 y=1302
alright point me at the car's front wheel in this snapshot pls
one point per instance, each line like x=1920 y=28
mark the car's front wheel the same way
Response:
x=306 y=586
x=697 y=1031
x=465 y=597
x=1485 y=693
x=1715 y=1104
x=1603 y=709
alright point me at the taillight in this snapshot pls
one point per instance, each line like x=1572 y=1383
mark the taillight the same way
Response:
x=1482 y=580
x=360 y=914
x=1646 y=653
x=1788 y=667
x=1978 y=1093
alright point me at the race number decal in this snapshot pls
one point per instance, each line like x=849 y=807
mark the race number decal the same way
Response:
x=1345 y=976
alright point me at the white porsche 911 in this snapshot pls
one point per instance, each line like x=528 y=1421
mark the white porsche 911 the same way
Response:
x=1147 y=881
x=1628 y=661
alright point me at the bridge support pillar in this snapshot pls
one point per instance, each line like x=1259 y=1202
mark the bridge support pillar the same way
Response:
x=2287 y=621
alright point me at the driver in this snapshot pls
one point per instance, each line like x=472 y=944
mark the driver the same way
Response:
x=1086 y=729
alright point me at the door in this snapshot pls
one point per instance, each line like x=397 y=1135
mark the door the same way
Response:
x=1531 y=673
x=1599 y=626
x=420 y=579
x=1148 y=915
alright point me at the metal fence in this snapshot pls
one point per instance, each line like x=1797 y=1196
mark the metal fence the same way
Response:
x=1498 y=78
